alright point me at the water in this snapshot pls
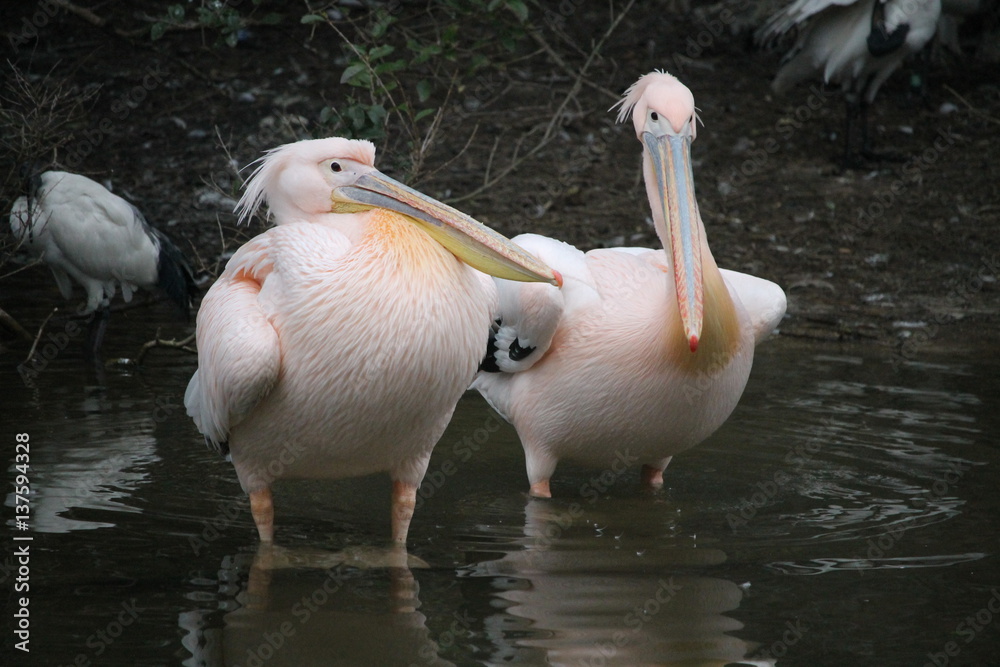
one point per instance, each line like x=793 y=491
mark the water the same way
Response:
x=843 y=516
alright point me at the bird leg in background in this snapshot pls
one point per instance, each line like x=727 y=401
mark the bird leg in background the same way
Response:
x=404 y=500
x=853 y=109
x=95 y=332
x=262 y=508
x=866 y=146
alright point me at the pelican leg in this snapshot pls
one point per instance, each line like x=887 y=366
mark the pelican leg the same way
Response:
x=652 y=474
x=262 y=509
x=540 y=489
x=404 y=500
x=540 y=466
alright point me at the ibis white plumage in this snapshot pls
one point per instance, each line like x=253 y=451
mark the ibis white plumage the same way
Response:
x=855 y=43
x=643 y=353
x=338 y=343
x=91 y=236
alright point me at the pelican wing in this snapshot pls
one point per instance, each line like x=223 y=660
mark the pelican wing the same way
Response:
x=239 y=354
x=531 y=312
x=763 y=300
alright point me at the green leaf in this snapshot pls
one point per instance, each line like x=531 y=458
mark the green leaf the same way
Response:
x=423 y=113
x=380 y=25
x=519 y=8
x=380 y=52
x=391 y=66
x=175 y=12
x=356 y=115
x=424 y=52
x=325 y=115
x=350 y=75
x=272 y=18
x=478 y=62
x=424 y=89
x=157 y=31
x=313 y=18
x=377 y=114
x=232 y=39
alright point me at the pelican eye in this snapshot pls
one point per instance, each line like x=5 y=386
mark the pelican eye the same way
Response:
x=335 y=167
x=654 y=116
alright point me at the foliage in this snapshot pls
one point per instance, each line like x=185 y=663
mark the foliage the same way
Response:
x=403 y=67
x=401 y=62
x=212 y=15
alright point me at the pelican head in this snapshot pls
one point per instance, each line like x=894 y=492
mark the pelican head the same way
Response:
x=663 y=112
x=308 y=180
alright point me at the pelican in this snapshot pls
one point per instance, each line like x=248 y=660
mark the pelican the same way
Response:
x=643 y=353
x=338 y=343
x=89 y=235
x=855 y=43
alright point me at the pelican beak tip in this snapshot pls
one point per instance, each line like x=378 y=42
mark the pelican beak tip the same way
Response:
x=694 y=343
x=558 y=277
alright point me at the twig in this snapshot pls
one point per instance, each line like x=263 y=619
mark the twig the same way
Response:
x=31 y=352
x=18 y=270
x=447 y=163
x=583 y=70
x=82 y=12
x=567 y=68
x=173 y=344
x=375 y=78
x=557 y=118
x=14 y=325
x=981 y=114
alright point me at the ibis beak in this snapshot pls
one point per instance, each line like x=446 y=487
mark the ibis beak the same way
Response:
x=671 y=158
x=471 y=241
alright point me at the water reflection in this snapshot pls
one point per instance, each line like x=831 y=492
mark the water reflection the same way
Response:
x=286 y=607
x=87 y=462
x=569 y=599
x=847 y=496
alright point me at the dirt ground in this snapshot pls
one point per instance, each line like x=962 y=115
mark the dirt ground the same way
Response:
x=904 y=254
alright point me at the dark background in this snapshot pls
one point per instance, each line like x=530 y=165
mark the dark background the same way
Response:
x=503 y=111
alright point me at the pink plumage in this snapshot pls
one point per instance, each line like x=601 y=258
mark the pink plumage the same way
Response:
x=615 y=369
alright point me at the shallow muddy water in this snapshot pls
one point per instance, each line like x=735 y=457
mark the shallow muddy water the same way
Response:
x=844 y=515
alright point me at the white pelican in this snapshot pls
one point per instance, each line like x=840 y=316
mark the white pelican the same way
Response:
x=643 y=353
x=338 y=343
x=856 y=43
x=89 y=235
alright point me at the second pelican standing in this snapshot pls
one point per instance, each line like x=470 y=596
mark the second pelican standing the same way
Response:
x=338 y=343
x=643 y=353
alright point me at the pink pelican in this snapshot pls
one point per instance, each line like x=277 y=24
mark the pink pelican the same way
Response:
x=643 y=353
x=338 y=343
x=856 y=43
